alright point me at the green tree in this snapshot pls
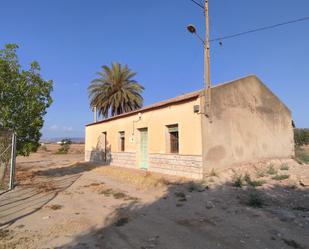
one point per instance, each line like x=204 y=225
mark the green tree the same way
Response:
x=24 y=98
x=301 y=137
x=115 y=91
x=64 y=146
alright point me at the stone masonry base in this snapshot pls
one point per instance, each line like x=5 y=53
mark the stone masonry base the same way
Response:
x=172 y=164
x=122 y=159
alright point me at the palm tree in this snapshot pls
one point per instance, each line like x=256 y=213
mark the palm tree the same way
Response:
x=115 y=91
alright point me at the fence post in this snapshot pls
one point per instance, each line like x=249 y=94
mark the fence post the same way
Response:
x=12 y=162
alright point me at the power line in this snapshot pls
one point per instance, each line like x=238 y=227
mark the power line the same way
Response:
x=197 y=3
x=252 y=30
x=259 y=29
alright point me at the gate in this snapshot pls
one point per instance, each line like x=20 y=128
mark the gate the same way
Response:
x=7 y=160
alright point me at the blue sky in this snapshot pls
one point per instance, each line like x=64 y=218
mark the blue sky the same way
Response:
x=71 y=39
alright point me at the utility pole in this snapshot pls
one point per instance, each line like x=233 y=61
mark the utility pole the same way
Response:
x=207 y=84
x=207 y=62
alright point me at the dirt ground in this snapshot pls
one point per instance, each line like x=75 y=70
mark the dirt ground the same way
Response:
x=62 y=202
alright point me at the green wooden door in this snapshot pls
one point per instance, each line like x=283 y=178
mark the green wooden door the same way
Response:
x=144 y=149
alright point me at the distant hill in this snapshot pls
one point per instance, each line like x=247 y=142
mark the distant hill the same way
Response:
x=75 y=140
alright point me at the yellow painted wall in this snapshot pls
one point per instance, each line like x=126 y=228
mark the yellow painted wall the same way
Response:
x=189 y=126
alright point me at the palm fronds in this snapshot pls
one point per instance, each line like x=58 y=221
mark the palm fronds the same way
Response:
x=115 y=91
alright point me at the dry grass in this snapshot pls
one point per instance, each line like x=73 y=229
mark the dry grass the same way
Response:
x=46 y=187
x=136 y=177
x=96 y=187
x=52 y=148
x=280 y=177
x=25 y=177
x=101 y=188
x=271 y=170
x=302 y=154
x=284 y=166
x=54 y=207
x=213 y=173
x=5 y=233
x=240 y=180
x=31 y=178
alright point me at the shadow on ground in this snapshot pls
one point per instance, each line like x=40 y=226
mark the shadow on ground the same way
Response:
x=24 y=201
x=67 y=170
x=192 y=215
x=36 y=189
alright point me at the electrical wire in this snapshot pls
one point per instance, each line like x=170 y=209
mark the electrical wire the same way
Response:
x=197 y=3
x=259 y=29
x=252 y=30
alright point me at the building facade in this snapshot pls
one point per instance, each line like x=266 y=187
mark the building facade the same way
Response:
x=246 y=122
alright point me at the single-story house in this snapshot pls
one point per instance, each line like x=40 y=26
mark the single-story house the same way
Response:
x=246 y=123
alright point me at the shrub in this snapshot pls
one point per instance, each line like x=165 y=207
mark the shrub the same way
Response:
x=301 y=137
x=192 y=187
x=271 y=170
x=304 y=157
x=280 y=177
x=121 y=221
x=43 y=147
x=211 y=179
x=247 y=178
x=213 y=173
x=55 y=206
x=255 y=200
x=119 y=195
x=253 y=183
x=301 y=155
x=238 y=181
x=256 y=183
x=64 y=146
x=284 y=166
x=180 y=194
x=260 y=173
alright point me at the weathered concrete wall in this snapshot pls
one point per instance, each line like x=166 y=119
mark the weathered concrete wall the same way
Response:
x=248 y=123
x=173 y=164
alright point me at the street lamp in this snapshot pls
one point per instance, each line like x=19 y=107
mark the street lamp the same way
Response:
x=191 y=28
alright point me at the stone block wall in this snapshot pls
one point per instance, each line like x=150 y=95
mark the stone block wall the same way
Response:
x=172 y=164
x=123 y=159
x=180 y=165
x=96 y=156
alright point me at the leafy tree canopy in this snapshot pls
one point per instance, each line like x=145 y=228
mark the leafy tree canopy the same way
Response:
x=115 y=91
x=24 y=98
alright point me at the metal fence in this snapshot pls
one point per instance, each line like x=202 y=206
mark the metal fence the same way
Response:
x=7 y=159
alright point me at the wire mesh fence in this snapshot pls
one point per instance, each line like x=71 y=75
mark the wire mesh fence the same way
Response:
x=7 y=159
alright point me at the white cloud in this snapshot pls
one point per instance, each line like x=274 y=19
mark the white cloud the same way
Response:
x=68 y=129
x=57 y=128
x=54 y=128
